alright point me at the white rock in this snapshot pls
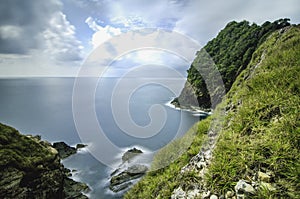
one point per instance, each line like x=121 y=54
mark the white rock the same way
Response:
x=205 y=194
x=213 y=197
x=264 y=177
x=193 y=193
x=242 y=187
x=201 y=165
x=229 y=194
x=178 y=194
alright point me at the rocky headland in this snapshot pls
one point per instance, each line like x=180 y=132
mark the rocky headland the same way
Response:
x=31 y=168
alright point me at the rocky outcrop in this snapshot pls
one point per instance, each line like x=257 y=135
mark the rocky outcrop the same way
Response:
x=31 y=168
x=130 y=154
x=65 y=150
x=122 y=177
x=122 y=180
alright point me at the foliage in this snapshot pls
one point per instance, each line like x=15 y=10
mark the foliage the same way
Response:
x=231 y=52
x=261 y=131
x=264 y=128
x=21 y=152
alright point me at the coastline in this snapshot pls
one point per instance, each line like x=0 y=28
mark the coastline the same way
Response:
x=196 y=111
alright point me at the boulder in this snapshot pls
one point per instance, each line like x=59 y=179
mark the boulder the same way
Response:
x=229 y=194
x=178 y=194
x=131 y=153
x=80 y=146
x=126 y=176
x=243 y=189
x=120 y=187
x=123 y=180
x=64 y=150
x=213 y=197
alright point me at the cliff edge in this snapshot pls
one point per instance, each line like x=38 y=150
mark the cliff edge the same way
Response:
x=31 y=168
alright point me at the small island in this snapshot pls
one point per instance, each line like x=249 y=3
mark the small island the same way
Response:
x=122 y=177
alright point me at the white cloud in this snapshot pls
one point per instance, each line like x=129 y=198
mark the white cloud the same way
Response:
x=102 y=34
x=202 y=20
x=60 y=41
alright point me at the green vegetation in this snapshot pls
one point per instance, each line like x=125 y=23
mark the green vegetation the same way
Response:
x=264 y=129
x=31 y=168
x=21 y=152
x=231 y=52
x=261 y=130
x=160 y=183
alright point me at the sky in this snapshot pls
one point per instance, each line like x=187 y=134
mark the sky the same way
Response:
x=56 y=37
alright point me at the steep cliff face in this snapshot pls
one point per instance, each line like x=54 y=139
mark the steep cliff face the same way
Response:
x=31 y=168
x=255 y=153
x=231 y=52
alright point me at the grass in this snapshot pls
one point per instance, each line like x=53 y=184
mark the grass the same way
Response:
x=21 y=152
x=261 y=131
x=160 y=183
x=264 y=130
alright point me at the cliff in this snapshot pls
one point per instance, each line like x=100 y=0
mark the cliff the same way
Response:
x=31 y=168
x=250 y=146
x=231 y=52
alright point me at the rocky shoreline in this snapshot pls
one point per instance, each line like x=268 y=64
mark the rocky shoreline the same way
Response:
x=31 y=168
x=194 y=109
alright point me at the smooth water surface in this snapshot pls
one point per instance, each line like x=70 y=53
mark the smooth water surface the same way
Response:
x=44 y=106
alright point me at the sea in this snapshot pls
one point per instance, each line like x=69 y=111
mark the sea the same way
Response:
x=112 y=117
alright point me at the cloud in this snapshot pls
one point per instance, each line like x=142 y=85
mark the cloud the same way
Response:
x=199 y=19
x=37 y=26
x=101 y=34
x=60 y=41
x=202 y=20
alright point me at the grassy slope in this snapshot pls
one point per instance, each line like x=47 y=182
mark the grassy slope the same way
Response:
x=262 y=128
x=263 y=123
x=21 y=152
x=160 y=183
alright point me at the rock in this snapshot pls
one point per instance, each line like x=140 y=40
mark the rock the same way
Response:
x=222 y=197
x=80 y=146
x=73 y=189
x=205 y=195
x=193 y=193
x=243 y=189
x=213 y=197
x=52 y=150
x=263 y=177
x=33 y=170
x=131 y=153
x=64 y=150
x=137 y=169
x=178 y=194
x=121 y=180
x=229 y=194
x=121 y=187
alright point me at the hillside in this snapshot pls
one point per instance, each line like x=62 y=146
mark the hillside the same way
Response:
x=254 y=150
x=31 y=168
x=231 y=51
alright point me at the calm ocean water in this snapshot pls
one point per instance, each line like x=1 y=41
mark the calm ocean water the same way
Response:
x=43 y=106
